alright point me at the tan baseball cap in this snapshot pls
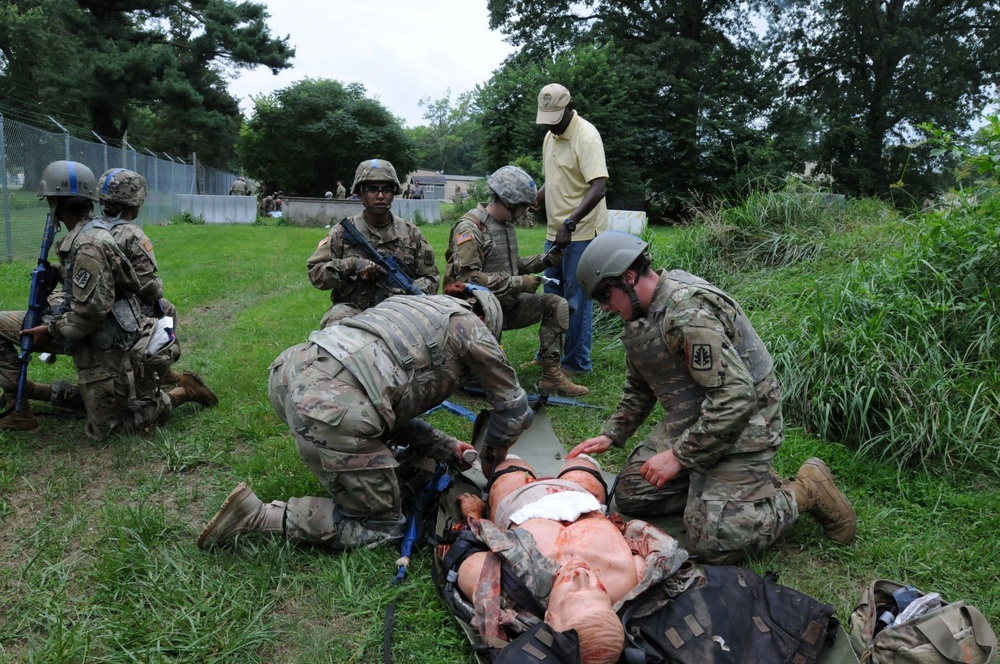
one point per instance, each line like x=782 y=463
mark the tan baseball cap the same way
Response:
x=552 y=101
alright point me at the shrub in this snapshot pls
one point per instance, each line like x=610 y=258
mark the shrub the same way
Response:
x=187 y=218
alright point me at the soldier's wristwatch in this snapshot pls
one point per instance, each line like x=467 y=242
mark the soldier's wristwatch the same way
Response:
x=570 y=225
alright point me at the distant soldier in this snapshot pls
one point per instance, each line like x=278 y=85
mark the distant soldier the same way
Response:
x=355 y=389
x=341 y=191
x=459 y=197
x=483 y=250
x=267 y=205
x=240 y=187
x=354 y=281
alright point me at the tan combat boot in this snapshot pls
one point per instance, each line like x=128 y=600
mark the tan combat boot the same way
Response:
x=38 y=391
x=816 y=494
x=192 y=388
x=170 y=378
x=18 y=420
x=243 y=512
x=554 y=381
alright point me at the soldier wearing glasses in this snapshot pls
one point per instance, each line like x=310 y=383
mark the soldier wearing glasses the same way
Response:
x=355 y=282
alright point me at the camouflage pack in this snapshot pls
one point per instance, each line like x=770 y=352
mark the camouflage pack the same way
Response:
x=952 y=632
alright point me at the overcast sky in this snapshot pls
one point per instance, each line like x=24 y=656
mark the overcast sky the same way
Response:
x=401 y=50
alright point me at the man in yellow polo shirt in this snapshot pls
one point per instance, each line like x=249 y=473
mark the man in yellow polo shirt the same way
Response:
x=575 y=179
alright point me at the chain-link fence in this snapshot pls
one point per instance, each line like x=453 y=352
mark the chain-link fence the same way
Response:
x=25 y=151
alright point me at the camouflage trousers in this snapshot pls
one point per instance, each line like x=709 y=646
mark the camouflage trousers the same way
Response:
x=553 y=313
x=118 y=398
x=338 y=312
x=729 y=510
x=339 y=434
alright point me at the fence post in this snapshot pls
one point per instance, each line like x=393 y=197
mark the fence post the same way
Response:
x=194 y=182
x=8 y=232
x=156 y=181
x=65 y=136
x=98 y=137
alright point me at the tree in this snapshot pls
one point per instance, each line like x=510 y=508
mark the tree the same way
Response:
x=450 y=142
x=305 y=137
x=155 y=68
x=699 y=98
x=873 y=71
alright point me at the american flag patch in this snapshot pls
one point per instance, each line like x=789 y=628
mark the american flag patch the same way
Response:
x=463 y=237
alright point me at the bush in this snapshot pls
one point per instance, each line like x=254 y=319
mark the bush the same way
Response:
x=899 y=357
x=187 y=218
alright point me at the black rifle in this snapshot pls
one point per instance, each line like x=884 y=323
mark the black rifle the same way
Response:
x=395 y=272
x=37 y=304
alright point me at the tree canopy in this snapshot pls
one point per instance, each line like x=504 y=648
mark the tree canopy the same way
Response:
x=305 y=137
x=711 y=103
x=155 y=68
x=450 y=142
x=873 y=72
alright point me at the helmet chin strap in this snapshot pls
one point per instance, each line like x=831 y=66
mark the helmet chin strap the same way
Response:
x=633 y=297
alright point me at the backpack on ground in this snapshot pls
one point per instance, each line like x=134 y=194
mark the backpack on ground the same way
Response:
x=736 y=617
x=882 y=632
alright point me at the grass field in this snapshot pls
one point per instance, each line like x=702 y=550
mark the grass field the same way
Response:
x=98 y=561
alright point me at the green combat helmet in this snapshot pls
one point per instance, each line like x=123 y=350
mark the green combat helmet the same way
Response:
x=609 y=255
x=122 y=187
x=512 y=186
x=375 y=170
x=68 y=178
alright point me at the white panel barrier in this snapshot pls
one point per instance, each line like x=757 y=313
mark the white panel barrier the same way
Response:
x=220 y=209
x=630 y=221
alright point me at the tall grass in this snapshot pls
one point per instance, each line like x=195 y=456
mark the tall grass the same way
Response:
x=891 y=345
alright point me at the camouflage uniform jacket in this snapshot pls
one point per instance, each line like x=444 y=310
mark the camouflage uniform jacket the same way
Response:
x=483 y=251
x=139 y=251
x=696 y=352
x=399 y=238
x=95 y=275
x=441 y=359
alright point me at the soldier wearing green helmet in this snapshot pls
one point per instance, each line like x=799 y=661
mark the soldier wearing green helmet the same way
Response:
x=689 y=346
x=483 y=250
x=97 y=318
x=355 y=282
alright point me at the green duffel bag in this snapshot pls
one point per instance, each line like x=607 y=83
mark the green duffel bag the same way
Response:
x=952 y=633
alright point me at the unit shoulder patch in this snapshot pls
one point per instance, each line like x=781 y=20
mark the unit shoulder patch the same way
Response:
x=81 y=278
x=701 y=357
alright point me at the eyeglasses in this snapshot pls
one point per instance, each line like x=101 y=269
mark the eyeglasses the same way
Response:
x=603 y=294
x=372 y=190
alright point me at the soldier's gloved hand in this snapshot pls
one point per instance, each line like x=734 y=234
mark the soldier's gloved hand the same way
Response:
x=363 y=268
x=392 y=290
x=529 y=283
x=53 y=277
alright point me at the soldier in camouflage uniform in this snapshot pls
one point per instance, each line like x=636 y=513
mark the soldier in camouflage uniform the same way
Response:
x=355 y=389
x=97 y=318
x=353 y=280
x=483 y=250
x=690 y=346
x=122 y=193
x=240 y=187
